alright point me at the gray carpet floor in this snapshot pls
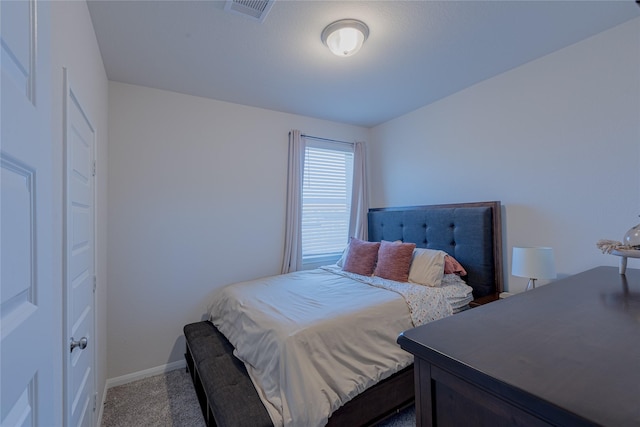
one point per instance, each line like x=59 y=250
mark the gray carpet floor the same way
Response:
x=168 y=400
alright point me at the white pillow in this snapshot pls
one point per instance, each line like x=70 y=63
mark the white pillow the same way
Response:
x=340 y=262
x=427 y=267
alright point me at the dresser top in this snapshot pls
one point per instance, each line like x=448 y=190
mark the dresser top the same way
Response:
x=573 y=344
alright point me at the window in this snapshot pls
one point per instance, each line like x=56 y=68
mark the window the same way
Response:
x=326 y=201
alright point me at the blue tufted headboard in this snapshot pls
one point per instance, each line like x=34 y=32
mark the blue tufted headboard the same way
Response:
x=470 y=232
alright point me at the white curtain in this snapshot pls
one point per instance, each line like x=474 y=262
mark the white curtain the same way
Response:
x=359 y=198
x=359 y=201
x=293 y=235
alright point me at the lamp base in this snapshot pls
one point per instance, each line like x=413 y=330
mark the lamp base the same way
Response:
x=531 y=284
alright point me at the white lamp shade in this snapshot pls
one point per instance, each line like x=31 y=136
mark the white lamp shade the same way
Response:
x=534 y=263
x=345 y=37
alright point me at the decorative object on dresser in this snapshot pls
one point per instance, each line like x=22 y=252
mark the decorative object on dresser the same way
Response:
x=534 y=263
x=628 y=248
x=565 y=355
x=632 y=237
x=468 y=232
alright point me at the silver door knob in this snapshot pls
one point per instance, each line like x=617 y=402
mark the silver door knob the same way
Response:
x=82 y=343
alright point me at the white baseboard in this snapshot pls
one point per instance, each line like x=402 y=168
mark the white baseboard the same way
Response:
x=162 y=369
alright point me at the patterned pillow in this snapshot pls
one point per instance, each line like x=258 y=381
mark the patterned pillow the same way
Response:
x=361 y=257
x=452 y=266
x=394 y=261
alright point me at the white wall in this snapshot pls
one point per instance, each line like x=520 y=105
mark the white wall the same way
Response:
x=556 y=140
x=74 y=46
x=196 y=186
x=197 y=193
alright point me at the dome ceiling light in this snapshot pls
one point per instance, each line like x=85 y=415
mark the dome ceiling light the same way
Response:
x=345 y=37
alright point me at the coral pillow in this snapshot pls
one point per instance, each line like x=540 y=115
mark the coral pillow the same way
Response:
x=452 y=266
x=394 y=261
x=361 y=257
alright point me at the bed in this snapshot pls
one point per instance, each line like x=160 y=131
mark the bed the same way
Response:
x=469 y=232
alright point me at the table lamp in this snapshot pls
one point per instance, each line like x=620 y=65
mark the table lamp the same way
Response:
x=534 y=263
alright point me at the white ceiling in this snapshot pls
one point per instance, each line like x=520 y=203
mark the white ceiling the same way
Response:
x=417 y=51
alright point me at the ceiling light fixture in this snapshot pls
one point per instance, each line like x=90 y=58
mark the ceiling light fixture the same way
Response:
x=345 y=37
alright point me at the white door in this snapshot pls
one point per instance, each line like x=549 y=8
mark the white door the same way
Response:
x=79 y=272
x=29 y=331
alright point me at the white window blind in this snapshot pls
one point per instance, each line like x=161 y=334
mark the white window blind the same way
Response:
x=326 y=201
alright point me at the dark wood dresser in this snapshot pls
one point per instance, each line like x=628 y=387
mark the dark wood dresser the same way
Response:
x=564 y=354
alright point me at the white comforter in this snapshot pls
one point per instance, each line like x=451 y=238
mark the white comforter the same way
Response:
x=312 y=340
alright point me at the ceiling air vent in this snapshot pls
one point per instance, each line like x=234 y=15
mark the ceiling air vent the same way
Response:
x=255 y=9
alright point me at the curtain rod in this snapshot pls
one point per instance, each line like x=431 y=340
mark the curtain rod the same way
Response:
x=325 y=139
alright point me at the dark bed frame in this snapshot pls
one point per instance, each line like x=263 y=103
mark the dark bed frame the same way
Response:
x=470 y=232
